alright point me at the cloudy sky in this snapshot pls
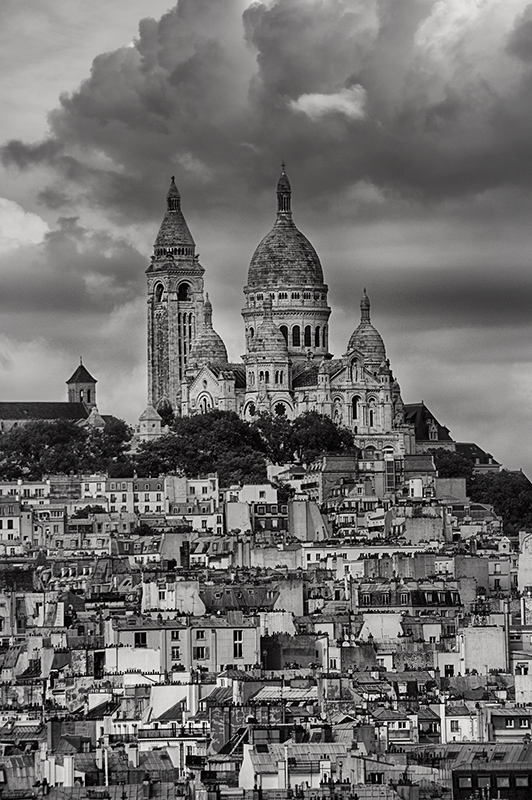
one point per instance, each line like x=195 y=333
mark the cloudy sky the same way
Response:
x=407 y=132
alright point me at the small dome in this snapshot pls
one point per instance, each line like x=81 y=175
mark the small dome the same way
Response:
x=366 y=338
x=268 y=337
x=208 y=345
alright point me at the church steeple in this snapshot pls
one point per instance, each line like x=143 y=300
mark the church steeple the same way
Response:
x=82 y=386
x=365 y=306
x=174 y=237
x=173 y=198
x=284 y=193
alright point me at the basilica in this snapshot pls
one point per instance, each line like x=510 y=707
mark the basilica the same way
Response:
x=287 y=368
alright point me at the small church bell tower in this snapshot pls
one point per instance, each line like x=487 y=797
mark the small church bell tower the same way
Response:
x=82 y=387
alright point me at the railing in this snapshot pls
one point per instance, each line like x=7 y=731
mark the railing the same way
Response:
x=170 y=733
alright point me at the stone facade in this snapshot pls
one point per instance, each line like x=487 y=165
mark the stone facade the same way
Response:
x=287 y=368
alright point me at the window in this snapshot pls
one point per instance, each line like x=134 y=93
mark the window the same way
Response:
x=140 y=639
x=503 y=781
x=484 y=782
x=508 y=723
x=308 y=336
x=174 y=635
x=296 y=336
x=365 y=599
x=284 y=331
x=403 y=599
x=200 y=653
x=524 y=723
x=162 y=594
x=455 y=726
x=401 y=724
x=521 y=780
x=317 y=337
x=200 y=635
x=465 y=782
x=238 y=644
x=176 y=654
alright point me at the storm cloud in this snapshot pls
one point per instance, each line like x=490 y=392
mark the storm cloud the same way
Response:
x=407 y=131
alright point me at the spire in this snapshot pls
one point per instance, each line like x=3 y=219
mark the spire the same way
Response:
x=284 y=192
x=207 y=313
x=174 y=237
x=173 y=198
x=365 y=307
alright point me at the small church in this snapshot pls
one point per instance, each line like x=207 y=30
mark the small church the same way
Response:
x=80 y=406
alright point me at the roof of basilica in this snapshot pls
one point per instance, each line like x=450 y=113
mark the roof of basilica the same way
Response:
x=174 y=230
x=366 y=337
x=285 y=257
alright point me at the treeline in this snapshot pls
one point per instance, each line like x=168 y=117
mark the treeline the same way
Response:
x=509 y=492
x=218 y=441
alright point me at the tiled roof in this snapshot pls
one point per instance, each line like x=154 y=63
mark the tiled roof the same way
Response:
x=82 y=375
x=418 y=415
x=43 y=411
x=305 y=375
x=474 y=453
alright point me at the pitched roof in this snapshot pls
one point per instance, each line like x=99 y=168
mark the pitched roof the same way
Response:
x=474 y=453
x=43 y=411
x=82 y=375
x=418 y=415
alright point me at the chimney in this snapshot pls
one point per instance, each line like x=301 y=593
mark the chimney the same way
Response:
x=132 y=752
x=68 y=770
x=53 y=734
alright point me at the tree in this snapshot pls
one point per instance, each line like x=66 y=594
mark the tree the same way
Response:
x=510 y=494
x=216 y=442
x=61 y=447
x=315 y=434
x=277 y=436
x=40 y=448
x=450 y=464
x=166 y=412
x=85 y=513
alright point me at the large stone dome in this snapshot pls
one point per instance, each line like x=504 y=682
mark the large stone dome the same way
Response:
x=208 y=346
x=366 y=338
x=285 y=257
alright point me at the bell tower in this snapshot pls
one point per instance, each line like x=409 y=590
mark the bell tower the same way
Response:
x=175 y=301
x=82 y=387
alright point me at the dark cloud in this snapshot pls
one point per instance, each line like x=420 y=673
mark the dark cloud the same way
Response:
x=422 y=191
x=211 y=94
x=72 y=271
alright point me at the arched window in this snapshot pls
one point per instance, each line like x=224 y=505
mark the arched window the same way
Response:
x=251 y=409
x=371 y=417
x=159 y=289
x=276 y=376
x=296 y=336
x=266 y=377
x=183 y=292
x=354 y=404
x=281 y=379
x=284 y=331
x=88 y=395
x=308 y=336
x=317 y=337
x=81 y=395
x=261 y=376
x=251 y=333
